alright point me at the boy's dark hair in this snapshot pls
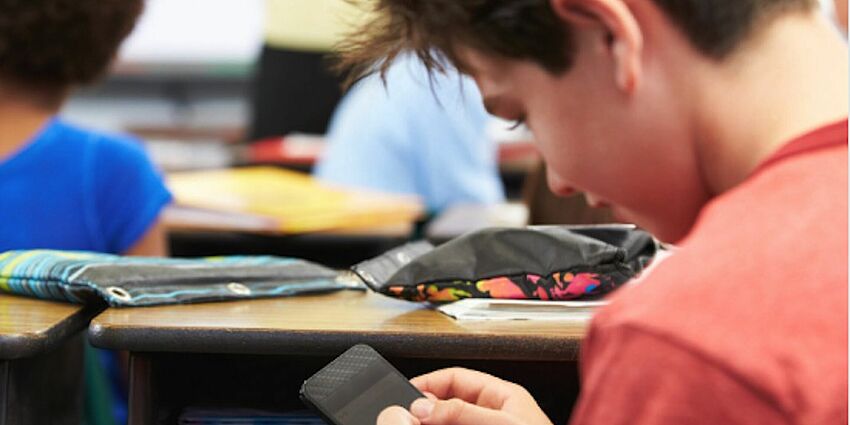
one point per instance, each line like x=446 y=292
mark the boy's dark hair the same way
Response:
x=528 y=29
x=49 y=46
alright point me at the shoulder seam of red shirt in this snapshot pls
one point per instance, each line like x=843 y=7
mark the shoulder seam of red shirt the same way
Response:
x=827 y=136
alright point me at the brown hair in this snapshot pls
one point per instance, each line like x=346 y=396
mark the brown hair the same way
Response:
x=48 y=46
x=527 y=29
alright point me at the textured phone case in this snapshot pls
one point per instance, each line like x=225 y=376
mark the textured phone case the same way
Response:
x=351 y=376
x=355 y=360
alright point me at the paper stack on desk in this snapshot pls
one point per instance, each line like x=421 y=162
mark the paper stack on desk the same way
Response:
x=496 y=309
x=277 y=200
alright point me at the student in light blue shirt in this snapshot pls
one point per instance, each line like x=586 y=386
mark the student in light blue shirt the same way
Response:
x=415 y=137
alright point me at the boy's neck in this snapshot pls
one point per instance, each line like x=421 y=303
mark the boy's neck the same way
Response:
x=19 y=123
x=788 y=80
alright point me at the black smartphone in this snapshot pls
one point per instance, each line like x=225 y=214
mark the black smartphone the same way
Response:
x=355 y=387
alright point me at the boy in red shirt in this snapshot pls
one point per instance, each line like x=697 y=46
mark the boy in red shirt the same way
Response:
x=719 y=125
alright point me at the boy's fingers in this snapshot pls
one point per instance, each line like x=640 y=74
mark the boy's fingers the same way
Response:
x=396 y=415
x=467 y=385
x=457 y=412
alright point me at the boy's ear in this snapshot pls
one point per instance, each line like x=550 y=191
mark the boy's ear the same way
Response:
x=623 y=36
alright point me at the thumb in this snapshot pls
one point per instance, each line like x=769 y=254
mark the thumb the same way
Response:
x=457 y=412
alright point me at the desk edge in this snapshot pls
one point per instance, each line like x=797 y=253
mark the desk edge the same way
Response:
x=28 y=345
x=508 y=347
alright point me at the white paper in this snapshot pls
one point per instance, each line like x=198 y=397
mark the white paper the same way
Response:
x=493 y=309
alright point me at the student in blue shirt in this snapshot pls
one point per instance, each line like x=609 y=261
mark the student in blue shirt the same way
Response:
x=64 y=187
x=414 y=137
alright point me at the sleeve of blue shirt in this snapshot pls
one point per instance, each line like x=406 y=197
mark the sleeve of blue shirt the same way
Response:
x=129 y=192
x=414 y=137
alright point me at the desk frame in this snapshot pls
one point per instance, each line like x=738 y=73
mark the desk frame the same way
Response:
x=41 y=372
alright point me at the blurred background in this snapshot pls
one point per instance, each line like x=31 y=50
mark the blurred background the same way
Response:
x=188 y=88
x=179 y=80
x=248 y=82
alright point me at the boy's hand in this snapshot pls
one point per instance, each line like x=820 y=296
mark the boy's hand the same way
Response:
x=465 y=397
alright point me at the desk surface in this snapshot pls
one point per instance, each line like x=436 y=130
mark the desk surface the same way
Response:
x=29 y=326
x=327 y=325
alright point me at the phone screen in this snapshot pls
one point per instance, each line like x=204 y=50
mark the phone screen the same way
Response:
x=357 y=386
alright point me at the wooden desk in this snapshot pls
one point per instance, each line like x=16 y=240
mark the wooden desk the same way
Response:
x=194 y=236
x=257 y=353
x=41 y=361
x=272 y=211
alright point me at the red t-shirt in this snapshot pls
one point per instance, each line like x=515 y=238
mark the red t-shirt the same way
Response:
x=747 y=322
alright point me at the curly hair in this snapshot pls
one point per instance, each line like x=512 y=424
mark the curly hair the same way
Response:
x=526 y=29
x=48 y=46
